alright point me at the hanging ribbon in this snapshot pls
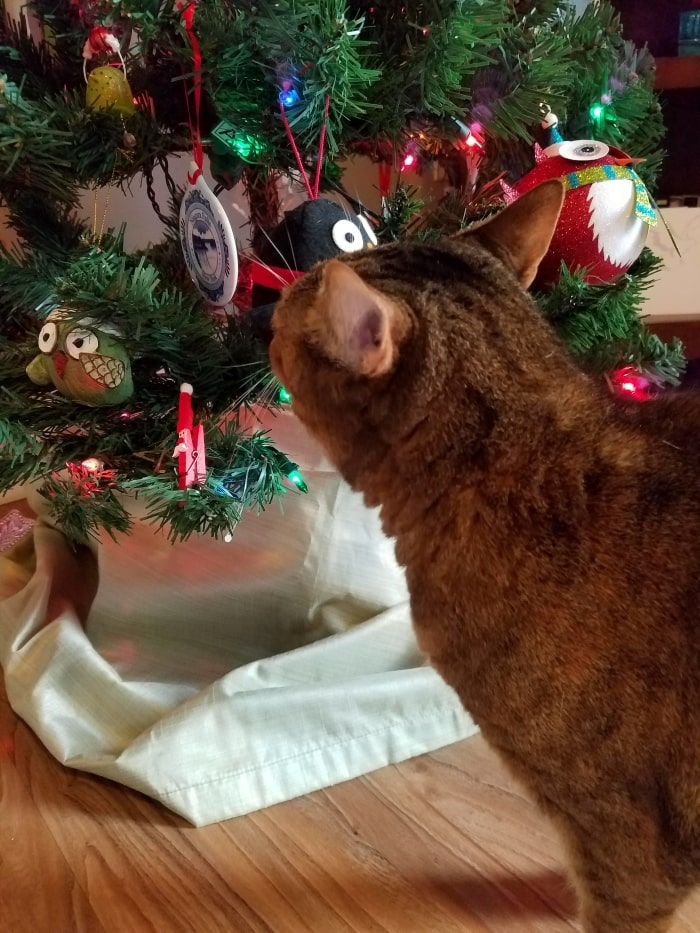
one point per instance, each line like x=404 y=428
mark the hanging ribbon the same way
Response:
x=187 y=10
x=275 y=277
x=312 y=190
x=384 y=174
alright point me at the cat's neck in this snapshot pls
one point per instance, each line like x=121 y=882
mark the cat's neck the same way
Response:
x=514 y=447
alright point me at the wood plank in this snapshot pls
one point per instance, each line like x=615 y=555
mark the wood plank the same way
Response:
x=38 y=888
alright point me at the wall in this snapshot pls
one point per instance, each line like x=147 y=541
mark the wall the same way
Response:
x=676 y=292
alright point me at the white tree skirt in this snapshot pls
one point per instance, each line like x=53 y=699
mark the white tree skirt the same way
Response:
x=222 y=678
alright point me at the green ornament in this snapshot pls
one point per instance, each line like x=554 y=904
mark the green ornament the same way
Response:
x=84 y=360
x=108 y=89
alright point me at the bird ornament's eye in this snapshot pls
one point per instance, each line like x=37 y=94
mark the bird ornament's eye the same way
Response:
x=80 y=340
x=47 y=337
x=350 y=237
x=347 y=236
x=583 y=150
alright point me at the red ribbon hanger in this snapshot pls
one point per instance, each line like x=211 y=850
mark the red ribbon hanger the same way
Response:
x=187 y=10
x=312 y=190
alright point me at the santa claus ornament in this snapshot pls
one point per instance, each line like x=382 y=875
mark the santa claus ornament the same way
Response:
x=606 y=213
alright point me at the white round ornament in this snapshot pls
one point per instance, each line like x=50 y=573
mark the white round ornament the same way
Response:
x=208 y=244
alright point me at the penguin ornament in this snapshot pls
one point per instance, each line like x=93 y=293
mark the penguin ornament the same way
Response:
x=86 y=361
x=315 y=230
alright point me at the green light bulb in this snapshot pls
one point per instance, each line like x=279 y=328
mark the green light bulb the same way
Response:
x=298 y=480
x=243 y=145
x=246 y=146
x=597 y=112
x=291 y=472
x=283 y=396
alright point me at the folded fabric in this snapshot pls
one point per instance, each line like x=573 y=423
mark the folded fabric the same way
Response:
x=220 y=678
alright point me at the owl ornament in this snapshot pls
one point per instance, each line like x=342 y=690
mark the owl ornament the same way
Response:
x=84 y=360
x=606 y=214
x=317 y=229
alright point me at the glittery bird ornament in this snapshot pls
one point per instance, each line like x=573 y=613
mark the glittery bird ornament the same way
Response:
x=607 y=211
x=84 y=360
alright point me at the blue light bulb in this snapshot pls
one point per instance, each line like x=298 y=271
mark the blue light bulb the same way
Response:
x=288 y=97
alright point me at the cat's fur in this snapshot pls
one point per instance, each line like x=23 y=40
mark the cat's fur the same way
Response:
x=550 y=534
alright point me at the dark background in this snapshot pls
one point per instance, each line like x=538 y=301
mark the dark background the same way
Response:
x=655 y=23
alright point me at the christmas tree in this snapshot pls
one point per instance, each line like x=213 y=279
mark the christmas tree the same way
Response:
x=97 y=342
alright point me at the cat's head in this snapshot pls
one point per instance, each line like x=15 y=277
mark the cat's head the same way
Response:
x=366 y=344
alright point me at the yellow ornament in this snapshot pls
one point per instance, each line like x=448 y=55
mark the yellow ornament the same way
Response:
x=107 y=88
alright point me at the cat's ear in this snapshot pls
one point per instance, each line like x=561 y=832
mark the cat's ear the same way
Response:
x=358 y=325
x=520 y=235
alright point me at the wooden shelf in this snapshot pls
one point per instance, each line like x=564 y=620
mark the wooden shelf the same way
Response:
x=682 y=71
x=688 y=332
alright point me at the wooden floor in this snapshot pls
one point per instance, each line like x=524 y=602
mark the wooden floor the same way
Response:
x=440 y=844
x=445 y=843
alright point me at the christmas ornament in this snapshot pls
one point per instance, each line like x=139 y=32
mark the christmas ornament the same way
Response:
x=317 y=229
x=207 y=240
x=86 y=361
x=208 y=243
x=190 y=451
x=311 y=232
x=89 y=477
x=107 y=87
x=100 y=41
x=607 y=211
x=550 y=122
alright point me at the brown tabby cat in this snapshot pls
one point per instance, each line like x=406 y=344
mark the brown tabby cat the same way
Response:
x=550 y=534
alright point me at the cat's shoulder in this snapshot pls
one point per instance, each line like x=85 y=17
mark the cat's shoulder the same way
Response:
x=673 y=405
x=672 y=418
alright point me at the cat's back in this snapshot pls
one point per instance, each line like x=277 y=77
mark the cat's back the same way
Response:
x=589 y=547
x=563 y=602
x=666 y=483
